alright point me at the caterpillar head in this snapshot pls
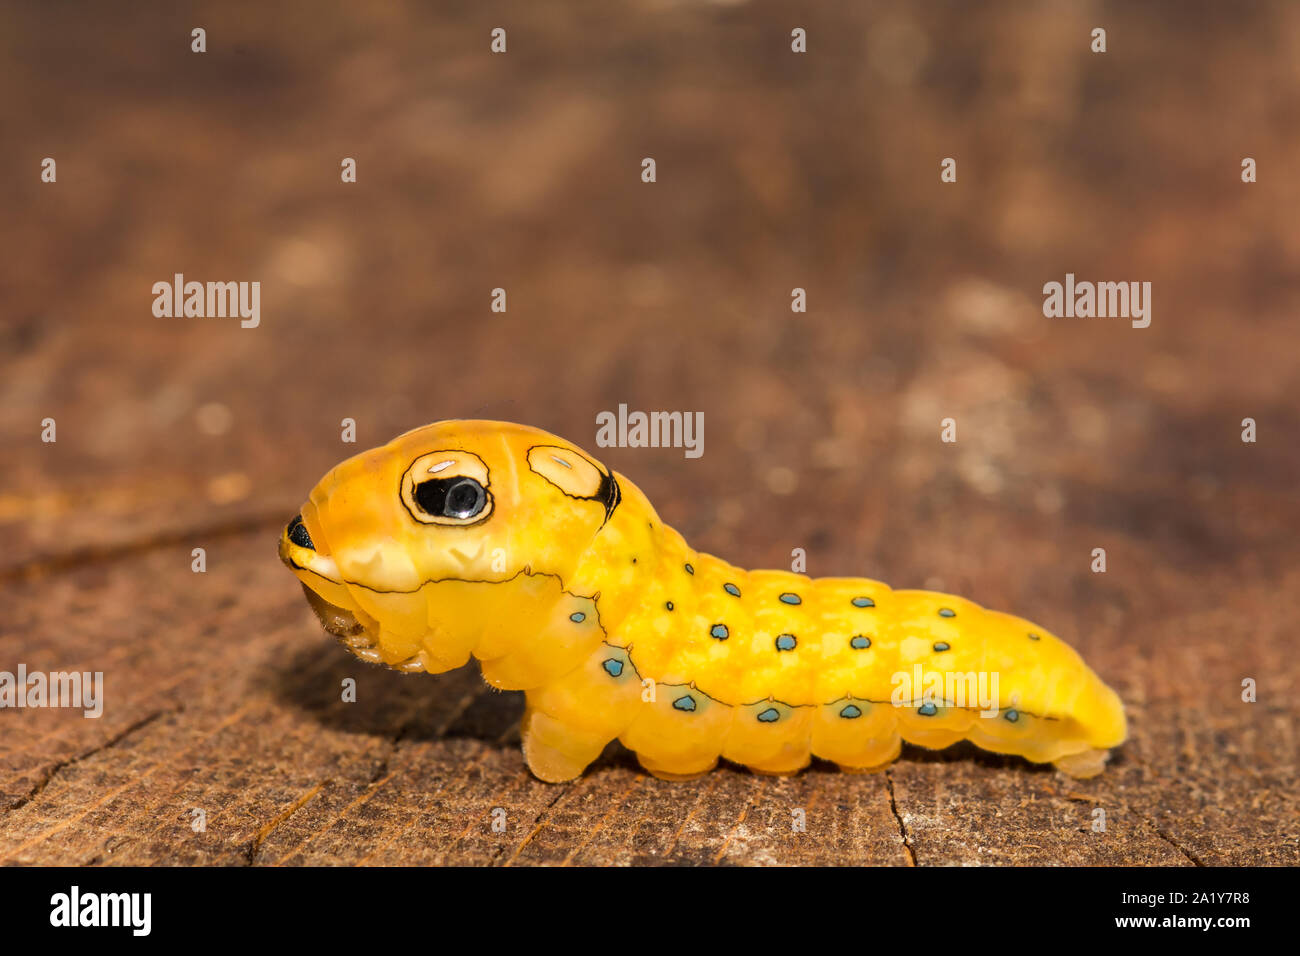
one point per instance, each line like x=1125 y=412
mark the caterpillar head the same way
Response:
x=406 y=550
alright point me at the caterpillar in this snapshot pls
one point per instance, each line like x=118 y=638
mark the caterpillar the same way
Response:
x=507 y=544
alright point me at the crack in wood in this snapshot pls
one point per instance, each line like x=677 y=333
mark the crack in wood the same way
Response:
x=744 y=812
x=700 y=797
x=267 y=829
x=902 y=827
x=102 y=554
x=539 y=822
x=1160 y=832
x=54 y=769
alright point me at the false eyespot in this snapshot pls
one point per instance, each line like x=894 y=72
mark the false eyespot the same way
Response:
x=447 y=488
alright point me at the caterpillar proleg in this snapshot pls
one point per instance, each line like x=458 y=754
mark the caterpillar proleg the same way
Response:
x=512 y=546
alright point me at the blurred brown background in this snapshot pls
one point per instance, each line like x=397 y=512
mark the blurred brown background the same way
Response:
x=775 y=171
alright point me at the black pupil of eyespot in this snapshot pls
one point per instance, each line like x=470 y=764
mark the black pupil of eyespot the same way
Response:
x=450 y=497
x=297 y=532
x=462 y=500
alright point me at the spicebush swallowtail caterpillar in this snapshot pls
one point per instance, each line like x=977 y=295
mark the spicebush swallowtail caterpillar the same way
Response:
x=504 y=543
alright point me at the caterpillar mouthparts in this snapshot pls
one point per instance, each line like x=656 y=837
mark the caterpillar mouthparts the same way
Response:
x=503 y=543
x=339 y=621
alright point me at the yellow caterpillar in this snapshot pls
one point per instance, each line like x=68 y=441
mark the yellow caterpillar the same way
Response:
x=505 y=543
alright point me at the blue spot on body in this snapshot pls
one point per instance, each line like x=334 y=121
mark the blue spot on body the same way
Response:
x=927 y=709
x=947 y=612
x=850 y=711
x=863 y=602
x=577 y=617
x=1034 y=637
x=719 y=631
x=786 y=642
x=788 y=598
x=689 y=569
x=860 y=643
x=613 y=667
x=941 y=645
x=731 y=589
x=686 y=703
x=770 y=715
x=1012 y=715
x=669 y=605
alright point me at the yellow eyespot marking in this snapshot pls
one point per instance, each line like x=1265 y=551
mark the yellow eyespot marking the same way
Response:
x=568 y=470
x=488 y=540
x=447 y=487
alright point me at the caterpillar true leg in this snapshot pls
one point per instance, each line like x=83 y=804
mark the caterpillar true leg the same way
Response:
x=511 y=546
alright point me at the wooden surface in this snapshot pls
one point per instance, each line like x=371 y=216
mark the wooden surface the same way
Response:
x=522 y=171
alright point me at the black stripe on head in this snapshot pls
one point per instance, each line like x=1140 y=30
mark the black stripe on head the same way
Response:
x=610 y=493
x=576 y=475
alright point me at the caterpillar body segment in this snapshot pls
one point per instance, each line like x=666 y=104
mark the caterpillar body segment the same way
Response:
x=494 y=541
